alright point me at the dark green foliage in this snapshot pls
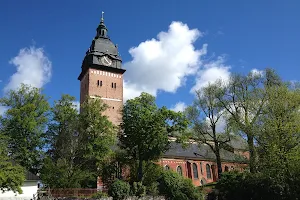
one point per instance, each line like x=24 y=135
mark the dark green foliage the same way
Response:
x=145 y=129
x=59 y=174
x=80 y=144
x=24 y=125
x=152 y=172
x=175 y=187
x=152 y=189
x=246 y=186
x=119 y=190
x=138 y=189
x=11 y=176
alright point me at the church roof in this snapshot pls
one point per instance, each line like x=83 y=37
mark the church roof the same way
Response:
x=102 y=44
x=200 y=152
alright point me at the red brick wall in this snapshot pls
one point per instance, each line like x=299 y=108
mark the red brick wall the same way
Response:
x=202 y=174
x=111 y=95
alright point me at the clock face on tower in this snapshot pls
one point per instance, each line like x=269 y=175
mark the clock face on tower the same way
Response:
x=106 y=61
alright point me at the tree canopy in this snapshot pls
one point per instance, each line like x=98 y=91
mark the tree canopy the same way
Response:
x=145 y=130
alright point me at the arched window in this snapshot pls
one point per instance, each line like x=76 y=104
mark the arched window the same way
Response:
x=167 y=167
x=226 y=169
x=195 y=171
x=201 y=170
x=179 y=170
x=208 y=172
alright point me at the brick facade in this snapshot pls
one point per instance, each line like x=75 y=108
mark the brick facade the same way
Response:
x=200 y=171
x=106 y=85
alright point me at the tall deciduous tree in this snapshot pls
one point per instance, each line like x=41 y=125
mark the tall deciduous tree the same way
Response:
x=279 y=138
x=11 y=176
x=24 y=124
x=206 y=114
x=60 y=168
x=145 y=129
x=243 y=98
x=81 y=144
x=97 y=135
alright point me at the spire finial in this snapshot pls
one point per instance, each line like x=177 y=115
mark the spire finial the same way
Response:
x=102 y=17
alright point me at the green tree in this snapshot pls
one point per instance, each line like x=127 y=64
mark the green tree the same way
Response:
x=24 y=124
x=63 y=127
x=97 y=135
x=60 y=169
x=206 y=114
x=81 y=144
x=244 y=98
x=279 y=138
x=145 y=129
x=11 y=176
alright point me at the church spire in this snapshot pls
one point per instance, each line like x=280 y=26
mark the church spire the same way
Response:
x=102 y=17
x=102 y=30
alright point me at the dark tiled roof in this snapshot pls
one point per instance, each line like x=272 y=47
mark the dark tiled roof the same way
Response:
x=200 y=152
x=31 y=177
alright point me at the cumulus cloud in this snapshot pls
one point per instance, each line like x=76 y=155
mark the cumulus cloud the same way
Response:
x=210 y=72
x=179 y=107
x=257 y=72
x=33 y=68
x=163 y=64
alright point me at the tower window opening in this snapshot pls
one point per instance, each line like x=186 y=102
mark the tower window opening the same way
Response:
x=112 y=85
x=115 y=85
x=100 y=83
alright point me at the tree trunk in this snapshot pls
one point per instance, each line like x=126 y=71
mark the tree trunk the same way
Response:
x=218 y=159
x=140 y=171
x=252 y=153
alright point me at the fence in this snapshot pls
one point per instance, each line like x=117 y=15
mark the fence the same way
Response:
x=72 y=192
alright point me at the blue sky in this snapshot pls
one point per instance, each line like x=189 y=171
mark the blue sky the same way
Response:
x=44 y=42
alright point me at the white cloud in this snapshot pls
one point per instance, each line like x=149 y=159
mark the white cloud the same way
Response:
x=211 y=72
x=163 y=63
x=257 y=72
x=33 y=68
x=179 y=107
x=76 y=104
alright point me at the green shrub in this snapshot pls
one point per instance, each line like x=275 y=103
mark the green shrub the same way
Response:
x=247 y=186
x=175 y=187
x=152 y=189
x=99 y=194
x=119 y=190
x=138 y=189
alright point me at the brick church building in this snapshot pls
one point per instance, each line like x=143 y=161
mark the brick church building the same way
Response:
x=102 y=77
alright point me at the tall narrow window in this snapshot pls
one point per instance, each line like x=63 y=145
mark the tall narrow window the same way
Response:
x=226 y=169
x=208 y=172
x=115 y=85
x=179 y=170
x=201 y=170
x=100 y=83
x=167 y=168
x=195 y=171
x=112 y=85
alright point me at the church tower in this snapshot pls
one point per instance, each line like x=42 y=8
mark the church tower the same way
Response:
x=102 y=74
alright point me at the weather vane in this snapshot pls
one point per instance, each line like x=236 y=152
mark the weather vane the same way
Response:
x=102 y=17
